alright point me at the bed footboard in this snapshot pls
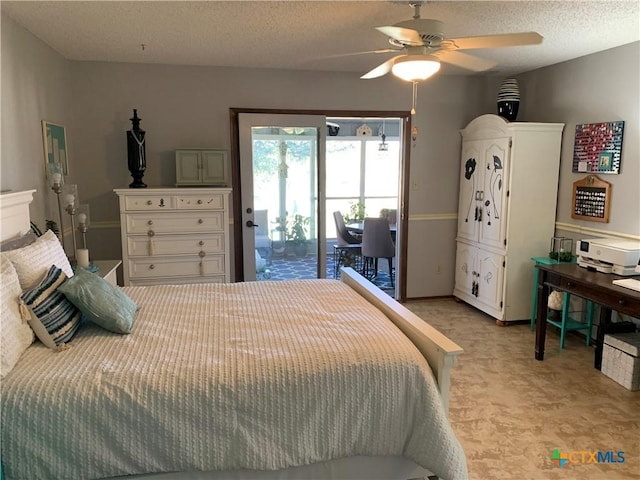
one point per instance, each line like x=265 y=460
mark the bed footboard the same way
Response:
x=437 y=349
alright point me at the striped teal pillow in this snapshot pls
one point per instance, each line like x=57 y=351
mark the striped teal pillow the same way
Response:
x=54 y=319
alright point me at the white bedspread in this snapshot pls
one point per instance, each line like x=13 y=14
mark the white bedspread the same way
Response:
x=214 y=377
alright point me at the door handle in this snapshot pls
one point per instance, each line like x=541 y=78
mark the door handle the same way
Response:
x=251 y=224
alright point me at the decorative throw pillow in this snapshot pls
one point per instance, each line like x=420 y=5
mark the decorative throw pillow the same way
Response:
x=53 y=318
x=100 y=302
x=16 y=333
x=33 y=261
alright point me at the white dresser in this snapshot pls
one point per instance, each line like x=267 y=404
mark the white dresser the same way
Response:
x=506 y=212
x=174 y=235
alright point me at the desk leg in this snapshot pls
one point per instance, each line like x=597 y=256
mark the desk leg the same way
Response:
x=541 y=317
x=605 y=320
x=534 y=297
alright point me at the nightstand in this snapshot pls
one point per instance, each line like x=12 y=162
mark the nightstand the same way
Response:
x=107 y=270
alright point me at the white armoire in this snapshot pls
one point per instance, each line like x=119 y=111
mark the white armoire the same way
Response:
x=506 y=212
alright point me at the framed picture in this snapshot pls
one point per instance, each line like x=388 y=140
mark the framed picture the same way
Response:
x=605 y=162
x=598 y=147
x=54 y=137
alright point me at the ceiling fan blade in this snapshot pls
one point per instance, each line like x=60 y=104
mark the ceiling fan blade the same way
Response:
x=405 y=35
x=494 y=41
x=384 y=50
x=465 y=60
x=381 y=69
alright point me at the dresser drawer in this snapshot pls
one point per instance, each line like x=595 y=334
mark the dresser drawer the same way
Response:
x=178 y=280
x=138 y=245
x=214 y=201
x=186 y=266
x=149 y=202
x=187 y=222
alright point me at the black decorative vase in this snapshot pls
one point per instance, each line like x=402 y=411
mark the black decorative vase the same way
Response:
x=508 y=109
x=137 y=159
x=509 y=99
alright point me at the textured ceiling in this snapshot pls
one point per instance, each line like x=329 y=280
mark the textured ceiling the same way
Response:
x=312 y=35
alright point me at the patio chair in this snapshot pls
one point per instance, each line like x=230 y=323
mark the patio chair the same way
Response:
x=347 y=250
x=263 y=242
x=377 y=243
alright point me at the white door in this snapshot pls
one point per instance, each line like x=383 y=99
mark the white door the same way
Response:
x=470 y=190
x=494 y=197
x=282 y=170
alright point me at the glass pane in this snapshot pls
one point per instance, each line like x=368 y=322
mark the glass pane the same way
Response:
x=285 y=203
x=381 y=169
x=343 y=168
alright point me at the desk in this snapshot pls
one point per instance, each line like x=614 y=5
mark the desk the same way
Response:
x=593 y=286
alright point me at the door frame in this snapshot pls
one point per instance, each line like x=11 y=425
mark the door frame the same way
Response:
x=234 y=155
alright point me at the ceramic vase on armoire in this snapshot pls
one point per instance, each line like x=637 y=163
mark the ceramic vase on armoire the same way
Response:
x=509 y=99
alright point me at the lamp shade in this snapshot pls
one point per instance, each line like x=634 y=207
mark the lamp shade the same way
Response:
x=413 y=68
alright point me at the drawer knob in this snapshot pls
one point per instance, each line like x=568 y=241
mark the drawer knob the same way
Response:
x=622 y=302
x=201 y=243
x=200 y=220
x=201 y=254
x=151 y=233
x=199 y=202
x=149 y=202
x=152 y=266
x=150 y=222
x=569 y=284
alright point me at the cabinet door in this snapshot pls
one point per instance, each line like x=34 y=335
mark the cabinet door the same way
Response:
x=490 y=278
x=470 y=189
x=188 y=167
x=493 y=200
x=465 y=268
x=215 y=170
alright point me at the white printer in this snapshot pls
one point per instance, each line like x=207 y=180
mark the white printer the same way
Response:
x=609 y=255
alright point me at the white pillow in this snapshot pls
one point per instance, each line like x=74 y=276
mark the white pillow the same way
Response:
x=16 y=333
x=33 y=261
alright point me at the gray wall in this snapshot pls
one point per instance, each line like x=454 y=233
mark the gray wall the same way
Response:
x=35 y=87
x=184 y=106
x=603 y=87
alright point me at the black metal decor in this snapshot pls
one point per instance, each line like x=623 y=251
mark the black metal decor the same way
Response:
x=137 y=160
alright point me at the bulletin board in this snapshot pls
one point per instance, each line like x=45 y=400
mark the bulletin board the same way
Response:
x=591 y=199
x=598 y=147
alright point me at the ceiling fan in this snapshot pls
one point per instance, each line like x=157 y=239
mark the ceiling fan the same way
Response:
x=423 y=45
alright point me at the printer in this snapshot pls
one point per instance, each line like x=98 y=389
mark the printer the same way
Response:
x=609 y=255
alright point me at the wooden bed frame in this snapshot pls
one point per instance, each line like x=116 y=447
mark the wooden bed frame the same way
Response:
x=440 y=352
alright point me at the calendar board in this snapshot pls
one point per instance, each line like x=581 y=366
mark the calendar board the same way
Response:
x=598 y=147
x=591 y=199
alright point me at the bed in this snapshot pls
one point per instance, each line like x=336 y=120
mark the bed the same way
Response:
x=298 y=379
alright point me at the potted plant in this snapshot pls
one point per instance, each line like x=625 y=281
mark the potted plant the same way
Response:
x=355 y=214
x=296 y=234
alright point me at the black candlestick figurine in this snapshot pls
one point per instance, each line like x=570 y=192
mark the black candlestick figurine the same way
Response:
x=135 y=150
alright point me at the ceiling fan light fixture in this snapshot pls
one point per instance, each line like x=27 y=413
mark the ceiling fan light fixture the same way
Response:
x=414 y=68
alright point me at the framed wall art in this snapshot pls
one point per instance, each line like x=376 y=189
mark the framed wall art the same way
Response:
x=54 y=137
x=598 y=147
x=591 y=199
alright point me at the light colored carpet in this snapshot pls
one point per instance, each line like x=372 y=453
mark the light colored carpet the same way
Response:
x=511 y=411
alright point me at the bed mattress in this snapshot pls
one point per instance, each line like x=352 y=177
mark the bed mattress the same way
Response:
x=261 y=375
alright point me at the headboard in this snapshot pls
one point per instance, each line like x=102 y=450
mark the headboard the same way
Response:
x=14 y=214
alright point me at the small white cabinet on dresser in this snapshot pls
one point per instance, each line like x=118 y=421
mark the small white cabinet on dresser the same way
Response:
x=201 y=167
x=174 y=235
x=506 y=212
